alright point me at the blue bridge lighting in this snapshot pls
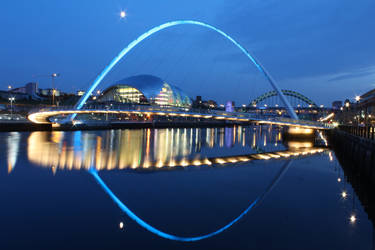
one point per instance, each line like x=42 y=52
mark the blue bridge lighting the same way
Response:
x=147 y=34
x=159 y=233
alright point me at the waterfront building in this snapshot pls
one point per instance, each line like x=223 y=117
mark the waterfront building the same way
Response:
x=366 y=105
x=336 y=105
x=145 y=89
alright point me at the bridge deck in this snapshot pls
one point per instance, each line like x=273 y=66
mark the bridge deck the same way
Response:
x=44 y=116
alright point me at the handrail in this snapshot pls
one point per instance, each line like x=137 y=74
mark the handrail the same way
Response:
x=367 y=132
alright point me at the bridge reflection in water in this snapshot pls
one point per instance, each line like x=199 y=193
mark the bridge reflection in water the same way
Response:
x=158 y=148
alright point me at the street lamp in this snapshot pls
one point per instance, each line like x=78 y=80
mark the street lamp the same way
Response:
x=53 y=76
x=358 y=110
x=9 y=87
x=122 y=14
x=11 y=99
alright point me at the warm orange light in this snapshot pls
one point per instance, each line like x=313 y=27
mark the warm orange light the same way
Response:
x=300 y=131
x=296 y=144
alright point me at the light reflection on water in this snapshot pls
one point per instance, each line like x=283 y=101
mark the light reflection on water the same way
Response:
x=144 y=148
x=127 y=149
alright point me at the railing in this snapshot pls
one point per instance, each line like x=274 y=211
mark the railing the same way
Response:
x=367 y=132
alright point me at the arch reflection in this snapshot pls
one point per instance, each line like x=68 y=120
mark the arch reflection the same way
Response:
x=168 y=236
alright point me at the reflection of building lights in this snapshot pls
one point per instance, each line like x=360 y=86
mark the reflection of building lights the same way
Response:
x=220 y=161
x=207 y=162
x=159 y=164
x=184 y=163
x=197 y=163
x=56 y=152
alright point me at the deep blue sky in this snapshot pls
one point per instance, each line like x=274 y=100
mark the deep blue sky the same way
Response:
x=324 y=49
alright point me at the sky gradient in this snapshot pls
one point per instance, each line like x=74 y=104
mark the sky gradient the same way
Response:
x=323 y=49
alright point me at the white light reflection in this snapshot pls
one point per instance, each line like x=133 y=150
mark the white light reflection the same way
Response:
x=13 y=144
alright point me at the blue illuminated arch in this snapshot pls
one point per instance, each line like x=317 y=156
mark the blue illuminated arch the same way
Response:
x=145 y=35
x=162 y=234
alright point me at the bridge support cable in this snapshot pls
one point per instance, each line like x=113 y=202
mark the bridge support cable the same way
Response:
x=168 y=236
x=156 y=29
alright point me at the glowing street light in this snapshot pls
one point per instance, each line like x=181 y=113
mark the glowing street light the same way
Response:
x=11 y=99
x=121 y=225
x=339 y=179
x=344 y=194
x=9 y=87
x=357 y=98
x=353 y=219
x=122 y=14
x=53 y=76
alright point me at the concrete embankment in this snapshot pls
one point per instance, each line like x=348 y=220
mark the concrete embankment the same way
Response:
x=357 y=158
x=357 y=150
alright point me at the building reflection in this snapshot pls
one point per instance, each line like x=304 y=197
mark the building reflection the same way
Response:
x=146 y=148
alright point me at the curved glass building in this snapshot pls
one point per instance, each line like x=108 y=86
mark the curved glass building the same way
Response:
x=146 y=89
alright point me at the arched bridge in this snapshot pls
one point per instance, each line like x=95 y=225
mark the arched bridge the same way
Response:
x=43 y=116
x=286 y=92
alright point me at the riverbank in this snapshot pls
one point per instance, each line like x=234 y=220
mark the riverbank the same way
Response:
x=356 y=155
x=359 y=151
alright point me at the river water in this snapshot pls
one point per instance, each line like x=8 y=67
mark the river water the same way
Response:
x=71 y=190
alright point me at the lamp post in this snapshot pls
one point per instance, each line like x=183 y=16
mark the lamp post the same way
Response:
x=358 y=110
x=11 y=99
x=53 y=76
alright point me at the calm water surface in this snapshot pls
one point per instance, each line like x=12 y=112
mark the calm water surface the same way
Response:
x=171 y=179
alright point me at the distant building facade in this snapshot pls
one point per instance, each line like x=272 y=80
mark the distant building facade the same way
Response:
x=145 y=89
x=336 y=105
